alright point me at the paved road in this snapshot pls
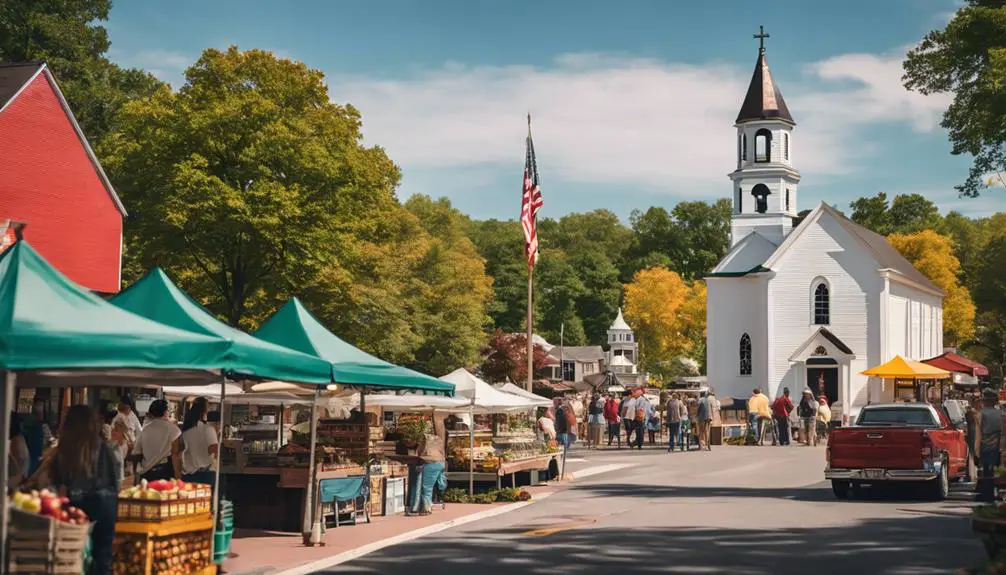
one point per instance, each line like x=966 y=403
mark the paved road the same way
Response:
x=736 y=510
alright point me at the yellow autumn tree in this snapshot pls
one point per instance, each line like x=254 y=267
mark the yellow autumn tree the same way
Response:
x=933 y=255
x=668 y=316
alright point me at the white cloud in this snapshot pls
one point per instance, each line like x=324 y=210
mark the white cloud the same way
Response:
x=597 y=118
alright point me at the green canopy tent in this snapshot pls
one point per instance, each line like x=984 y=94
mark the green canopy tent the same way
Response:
x=293 y=326
x=155 y=297
x=54 y=331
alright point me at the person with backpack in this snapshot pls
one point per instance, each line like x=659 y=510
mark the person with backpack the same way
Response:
x=639 y=410
x=807 y=411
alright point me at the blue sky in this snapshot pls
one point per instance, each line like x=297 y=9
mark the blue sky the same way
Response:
x=633 y=102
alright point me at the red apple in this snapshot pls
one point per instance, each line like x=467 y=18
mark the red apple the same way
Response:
x=50 y=505
x=64 y=516
x=64 y=501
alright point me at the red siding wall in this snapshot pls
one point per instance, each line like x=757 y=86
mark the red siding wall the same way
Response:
x=48 y=182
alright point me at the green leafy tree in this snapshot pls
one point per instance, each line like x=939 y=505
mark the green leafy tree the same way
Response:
x=906 y=214
x=501 y=244
x=967 y=58
x=69 y=36
x=598 y=303
x=453 y=290
x=969 y=238
x=557 y=289
x=249 y=182
x=872 y=214
x=703 y=230
x=690 y=239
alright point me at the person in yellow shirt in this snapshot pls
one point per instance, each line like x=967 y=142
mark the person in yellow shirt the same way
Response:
x=759 y=414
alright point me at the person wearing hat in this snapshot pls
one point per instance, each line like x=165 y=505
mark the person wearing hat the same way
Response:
x=807 y=411
x=990 y=430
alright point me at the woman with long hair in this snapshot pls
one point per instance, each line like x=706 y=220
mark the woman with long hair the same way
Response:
x=85 y=469
x=200 y=444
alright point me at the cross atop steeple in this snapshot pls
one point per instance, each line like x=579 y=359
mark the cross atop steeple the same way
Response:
x=760 y=36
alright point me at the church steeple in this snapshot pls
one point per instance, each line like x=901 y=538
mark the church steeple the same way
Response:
x=763 y=100
x=765 y=180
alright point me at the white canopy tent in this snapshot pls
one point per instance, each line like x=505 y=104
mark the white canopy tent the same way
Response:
x=538 y=400
x=484 y=397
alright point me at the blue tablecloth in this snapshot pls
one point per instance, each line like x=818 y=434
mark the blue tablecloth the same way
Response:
x=342 y=489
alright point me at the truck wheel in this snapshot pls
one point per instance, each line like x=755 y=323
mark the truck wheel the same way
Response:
x=840 y=488
x=939 y=488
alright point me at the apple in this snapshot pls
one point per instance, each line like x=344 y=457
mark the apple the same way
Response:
x=64 y=516
x=50 y=505
x=64 y=501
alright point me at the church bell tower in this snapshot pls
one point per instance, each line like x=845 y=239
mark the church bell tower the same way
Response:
x=765 y=181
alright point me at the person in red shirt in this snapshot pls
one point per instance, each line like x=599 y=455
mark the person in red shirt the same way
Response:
x=781 y=409
x=612 y=419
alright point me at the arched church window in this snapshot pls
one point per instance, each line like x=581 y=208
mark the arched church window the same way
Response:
x=822 y=304
x=744 y=147
x=761 y=194
x=763 y=145
x=785 y=142
x=745 y=355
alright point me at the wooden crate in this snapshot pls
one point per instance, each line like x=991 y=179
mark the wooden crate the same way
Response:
x=38 y=544
x=140 y=546
x=162 y=510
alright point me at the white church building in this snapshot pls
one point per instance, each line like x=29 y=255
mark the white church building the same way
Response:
x=811 y=305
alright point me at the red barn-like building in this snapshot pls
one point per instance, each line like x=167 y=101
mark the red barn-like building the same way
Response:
x=53 y=191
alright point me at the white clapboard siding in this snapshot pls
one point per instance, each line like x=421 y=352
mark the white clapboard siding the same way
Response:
x=735 y=306
x=825 y=250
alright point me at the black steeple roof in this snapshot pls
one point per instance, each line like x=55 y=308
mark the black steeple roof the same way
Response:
x=763 y=100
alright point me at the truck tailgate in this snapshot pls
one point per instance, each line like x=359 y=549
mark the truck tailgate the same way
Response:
x=876 y=447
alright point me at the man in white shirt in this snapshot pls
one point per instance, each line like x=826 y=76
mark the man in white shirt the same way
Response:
x=158 y=445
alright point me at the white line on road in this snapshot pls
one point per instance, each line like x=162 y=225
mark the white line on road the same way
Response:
x=598 y=470
x=353 y=554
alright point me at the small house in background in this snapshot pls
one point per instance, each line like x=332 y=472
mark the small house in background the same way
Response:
x=53 y=191
x=576 y=361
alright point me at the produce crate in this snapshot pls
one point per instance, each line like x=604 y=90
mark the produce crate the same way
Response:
x=38 y=544
x=178 y=547
x=163 y=510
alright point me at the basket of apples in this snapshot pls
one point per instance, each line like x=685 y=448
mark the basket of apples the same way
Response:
x=163 y=499
x=45 y=532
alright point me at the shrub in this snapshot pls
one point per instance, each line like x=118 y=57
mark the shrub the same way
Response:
x=456 y=495
x=524 y=495
x=508 y=495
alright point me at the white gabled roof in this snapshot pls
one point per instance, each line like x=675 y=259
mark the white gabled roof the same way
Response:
x=749 y=253
x=882 y=251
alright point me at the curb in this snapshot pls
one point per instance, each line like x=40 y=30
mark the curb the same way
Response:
x=352 y=554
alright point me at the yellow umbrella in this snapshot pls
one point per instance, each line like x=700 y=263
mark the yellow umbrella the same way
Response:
x=901 y=368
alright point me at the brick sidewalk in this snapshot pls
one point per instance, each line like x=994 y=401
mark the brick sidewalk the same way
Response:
x=270 y=552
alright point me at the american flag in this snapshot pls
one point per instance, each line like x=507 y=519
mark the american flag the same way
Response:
x=530 y=202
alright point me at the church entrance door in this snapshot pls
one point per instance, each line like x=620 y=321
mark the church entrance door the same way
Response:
x=823 y=381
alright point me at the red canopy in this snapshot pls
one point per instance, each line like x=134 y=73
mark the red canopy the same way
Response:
x=953 y=362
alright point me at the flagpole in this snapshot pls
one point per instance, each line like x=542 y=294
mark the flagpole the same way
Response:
x=530 y=302
x=530 y=332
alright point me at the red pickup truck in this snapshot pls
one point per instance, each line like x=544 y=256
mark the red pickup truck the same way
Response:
x=897 y=442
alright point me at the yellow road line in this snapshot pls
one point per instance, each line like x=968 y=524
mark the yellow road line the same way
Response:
x=553 y=529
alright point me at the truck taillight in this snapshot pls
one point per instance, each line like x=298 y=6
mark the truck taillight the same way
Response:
x=927 y=446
